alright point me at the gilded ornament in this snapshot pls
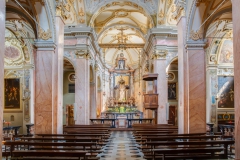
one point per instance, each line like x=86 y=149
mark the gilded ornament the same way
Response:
x=161 y=14
x=81 y=13
x=82 y=20
x=44 y=35
x=196 y=35
x=161 y=22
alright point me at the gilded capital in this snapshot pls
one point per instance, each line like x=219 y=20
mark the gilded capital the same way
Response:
x=82 y=54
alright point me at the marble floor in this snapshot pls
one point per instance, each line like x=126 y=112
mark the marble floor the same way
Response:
x=121 y=147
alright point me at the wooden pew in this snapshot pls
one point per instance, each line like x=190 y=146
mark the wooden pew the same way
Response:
x=188 y=153
x=68 y=139
x=30 y=144
x=102 y=136
x=190 y=144
x=47 y=154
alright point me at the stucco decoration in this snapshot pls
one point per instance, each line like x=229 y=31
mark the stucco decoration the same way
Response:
x=13 y=55
x=93 y=5
x=226 y=52
x=67 y=11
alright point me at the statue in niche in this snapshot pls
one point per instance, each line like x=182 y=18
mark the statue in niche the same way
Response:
x=122 y=92
x=122 y=88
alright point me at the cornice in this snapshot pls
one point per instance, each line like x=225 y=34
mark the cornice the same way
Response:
x=195 y=45
x=110 y=45
x=45 y=45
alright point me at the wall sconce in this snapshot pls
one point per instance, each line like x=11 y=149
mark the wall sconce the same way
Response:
x=104 y=93
x=139 y=93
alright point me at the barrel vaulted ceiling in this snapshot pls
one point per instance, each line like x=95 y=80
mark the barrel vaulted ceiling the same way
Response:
x=121 y=23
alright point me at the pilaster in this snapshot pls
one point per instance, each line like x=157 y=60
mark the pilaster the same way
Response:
x=82 y=88
x=160 y=68
x=44 y=87
x=196 y=110
x=182 y=78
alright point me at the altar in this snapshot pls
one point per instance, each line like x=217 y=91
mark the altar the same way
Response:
x=121 y=105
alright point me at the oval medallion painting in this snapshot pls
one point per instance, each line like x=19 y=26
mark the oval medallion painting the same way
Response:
x=171 y=76
x=11 y=52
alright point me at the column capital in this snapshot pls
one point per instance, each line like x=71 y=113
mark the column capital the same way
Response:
x=160 y=54
x=45 y=45
x=195 y=45
x=82 y=54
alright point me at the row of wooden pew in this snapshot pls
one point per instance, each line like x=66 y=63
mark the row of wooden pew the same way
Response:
x=77 y=142
x=164 y=142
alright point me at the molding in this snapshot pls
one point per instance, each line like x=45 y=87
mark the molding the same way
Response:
x=45 y=45
x=195 y=45
x=110 y=45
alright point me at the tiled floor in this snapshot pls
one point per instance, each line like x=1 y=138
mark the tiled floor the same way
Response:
x=121 y=147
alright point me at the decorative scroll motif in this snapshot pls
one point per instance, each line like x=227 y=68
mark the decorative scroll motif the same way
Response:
x=213 y=59
x=45 y=35
x=162 y=54
x=196 y=35
x=82 y=54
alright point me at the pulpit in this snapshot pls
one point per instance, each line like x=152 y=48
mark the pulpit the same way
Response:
x=151 y=99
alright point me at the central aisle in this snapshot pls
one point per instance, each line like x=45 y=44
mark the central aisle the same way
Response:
x=121 y=147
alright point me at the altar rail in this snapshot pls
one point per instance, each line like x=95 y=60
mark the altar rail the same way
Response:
x=112 y=122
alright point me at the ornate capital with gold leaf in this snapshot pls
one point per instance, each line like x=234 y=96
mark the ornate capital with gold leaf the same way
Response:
x=160 y=54
x=82 y=54
x=196 y=35
x=44 y=35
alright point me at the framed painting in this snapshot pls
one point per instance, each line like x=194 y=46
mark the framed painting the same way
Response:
x=12 y=93
x=172 y=91
x=225 y=92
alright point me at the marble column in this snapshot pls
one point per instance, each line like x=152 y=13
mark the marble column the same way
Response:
x=196 y=110
x=182 y=77
x=49 y=83
x=236 y=50
x=160 y=64
x=93 y=100
x=44 y=87
x=82 y=87
x=2 y=50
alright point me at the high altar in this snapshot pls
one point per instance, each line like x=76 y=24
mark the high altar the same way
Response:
x=121 y=102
